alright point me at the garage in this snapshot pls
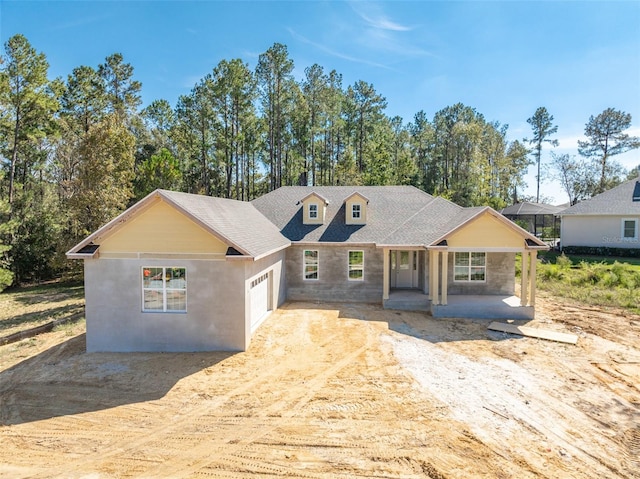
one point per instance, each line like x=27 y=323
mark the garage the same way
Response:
x=259 y=294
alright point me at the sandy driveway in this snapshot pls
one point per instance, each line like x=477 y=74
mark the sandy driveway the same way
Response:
x=334 y=391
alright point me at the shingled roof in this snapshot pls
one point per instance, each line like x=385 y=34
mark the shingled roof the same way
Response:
x=616 y=201
x=237 y=223
x=396 y=215
x=527 y=208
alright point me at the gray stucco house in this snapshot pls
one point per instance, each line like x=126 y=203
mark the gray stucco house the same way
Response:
x=608 y=220
x=184 y=272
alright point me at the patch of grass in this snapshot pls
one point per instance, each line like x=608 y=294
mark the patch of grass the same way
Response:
x=26 y=343
x=70 y=328
x=26 y=307
x=552 y=257
x=592 y=280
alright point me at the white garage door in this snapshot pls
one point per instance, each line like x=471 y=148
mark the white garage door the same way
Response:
x=259 y=293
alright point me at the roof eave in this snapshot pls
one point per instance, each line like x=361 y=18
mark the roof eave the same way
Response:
x=407 y=246
x=116 y=222
x=270 y=252
x=234 y=257
x=507 y=222
x=71 y=255
x=356 y=193
x=317 y=195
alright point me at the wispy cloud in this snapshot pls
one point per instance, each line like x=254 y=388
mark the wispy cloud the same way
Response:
x=335 y=53
x=80 y=22
x=374 y=17
x=250 y=54
x=571 y=141
x=378 y=31
x=368 y=36
x=567 y=143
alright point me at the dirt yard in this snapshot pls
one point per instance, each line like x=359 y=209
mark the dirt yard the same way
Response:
x=334 y=391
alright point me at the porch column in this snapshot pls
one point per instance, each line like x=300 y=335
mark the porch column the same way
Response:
x=385 y=273
x=445 y=273
x=434 y=274
x=532 y=278
x=425 y=273
x=431 y=260
x=524 y=284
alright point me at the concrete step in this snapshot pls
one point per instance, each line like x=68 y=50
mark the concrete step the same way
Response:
x=417 y=304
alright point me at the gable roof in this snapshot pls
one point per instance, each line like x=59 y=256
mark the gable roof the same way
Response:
x=468 y=215
x=616 y=201
x=313 y=193
x=356 y=193
x=233 y=222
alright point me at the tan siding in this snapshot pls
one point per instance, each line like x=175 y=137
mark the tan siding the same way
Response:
x=356 y=200
x=162 y=229
x=485 y=232
x=316 y=200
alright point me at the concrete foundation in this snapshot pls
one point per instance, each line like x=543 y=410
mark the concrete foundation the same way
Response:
x=461 y=306
x=483 y=307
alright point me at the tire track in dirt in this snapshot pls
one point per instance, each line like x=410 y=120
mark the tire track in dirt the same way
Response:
x=366 y=419
x=278 y=414
x=128 y=445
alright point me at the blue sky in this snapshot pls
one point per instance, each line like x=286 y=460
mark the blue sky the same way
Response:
x=504 y=58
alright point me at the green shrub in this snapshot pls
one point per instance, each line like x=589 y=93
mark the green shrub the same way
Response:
x=610 y=279
x=618 y=268
x=551 y=273
x=596 y=283
x=563 y=262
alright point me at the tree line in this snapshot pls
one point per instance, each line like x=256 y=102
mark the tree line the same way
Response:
x=75 y=152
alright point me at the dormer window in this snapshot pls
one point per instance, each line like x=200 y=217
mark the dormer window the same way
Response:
x=314 y=209
x=355 y=209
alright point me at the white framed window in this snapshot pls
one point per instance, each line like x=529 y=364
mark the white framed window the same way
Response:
x=469 y=266
x=356 y=265
x=164 y=290
x=311 y=265
x=355 y=211
x=629 y=229
x=313 y=211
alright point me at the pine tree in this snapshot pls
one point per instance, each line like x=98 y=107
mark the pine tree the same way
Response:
x=27 y=107
x=606 y=138
x=543 y=128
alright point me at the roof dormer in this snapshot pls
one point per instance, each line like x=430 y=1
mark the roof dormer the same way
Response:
x=356 y=209
x=314 y=208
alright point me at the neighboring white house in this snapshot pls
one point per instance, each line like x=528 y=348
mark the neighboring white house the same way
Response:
x=608 y=220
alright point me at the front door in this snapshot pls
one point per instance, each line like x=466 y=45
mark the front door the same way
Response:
x=406 y=262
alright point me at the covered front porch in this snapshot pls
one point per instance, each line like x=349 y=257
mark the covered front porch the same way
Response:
x=474 y=306
x=435 y=281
